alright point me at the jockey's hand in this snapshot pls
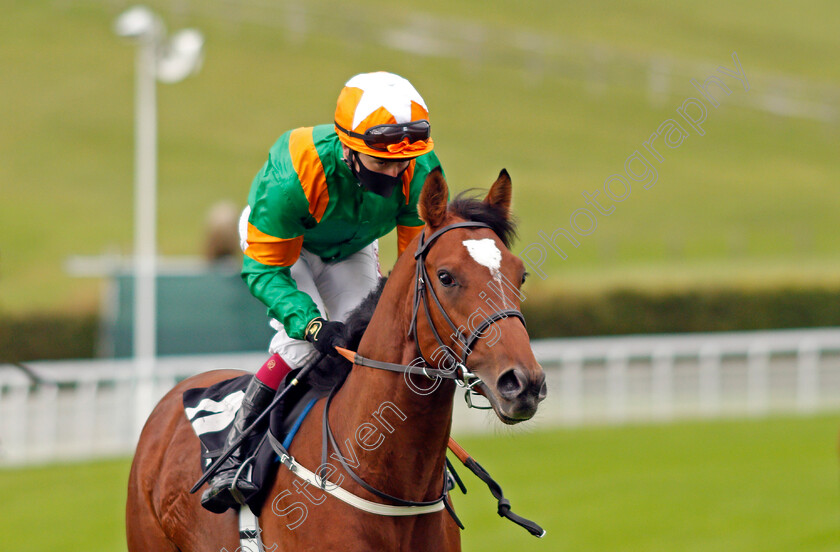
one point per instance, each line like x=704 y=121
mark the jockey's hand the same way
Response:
x=325 y=335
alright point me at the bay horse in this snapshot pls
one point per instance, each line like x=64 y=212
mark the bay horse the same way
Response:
x=410 y=427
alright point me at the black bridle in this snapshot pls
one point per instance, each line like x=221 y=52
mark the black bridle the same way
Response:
x=460 y=373
x=423 y=289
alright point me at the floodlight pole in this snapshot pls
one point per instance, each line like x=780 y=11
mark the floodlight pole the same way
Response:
x=181 y=57
x=145 y=223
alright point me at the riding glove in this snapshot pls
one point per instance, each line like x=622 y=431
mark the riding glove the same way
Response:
x=325 y=335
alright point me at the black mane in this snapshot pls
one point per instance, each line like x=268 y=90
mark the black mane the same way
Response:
x=333 y=371
x=473 y=209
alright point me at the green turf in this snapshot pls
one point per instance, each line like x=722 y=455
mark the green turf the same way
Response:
x=717 y=486
x=73 y=507
x=737 y=486
x=755 y=196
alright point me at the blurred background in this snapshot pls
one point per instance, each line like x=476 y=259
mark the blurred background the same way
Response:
x=690 y=335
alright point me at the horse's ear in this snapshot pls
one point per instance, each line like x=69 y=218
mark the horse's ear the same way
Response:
x=500 y=193
x=432 y=204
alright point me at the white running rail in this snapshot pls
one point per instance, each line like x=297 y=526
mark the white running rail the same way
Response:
x=83 y=409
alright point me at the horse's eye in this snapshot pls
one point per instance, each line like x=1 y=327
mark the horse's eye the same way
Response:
x=524 y=276
x=446 y=278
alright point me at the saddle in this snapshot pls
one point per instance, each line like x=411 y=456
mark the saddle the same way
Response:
x=210 y=411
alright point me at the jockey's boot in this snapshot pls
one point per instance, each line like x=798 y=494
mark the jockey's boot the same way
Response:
x=219 y=497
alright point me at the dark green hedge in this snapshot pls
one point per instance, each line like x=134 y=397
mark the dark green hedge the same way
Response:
x=617 y=312
x=630 y=311
x=47 y=336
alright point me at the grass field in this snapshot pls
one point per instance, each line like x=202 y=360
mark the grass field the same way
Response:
x=755 y=197
x=718 y=486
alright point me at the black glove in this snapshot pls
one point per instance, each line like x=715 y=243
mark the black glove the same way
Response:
x=325 y=335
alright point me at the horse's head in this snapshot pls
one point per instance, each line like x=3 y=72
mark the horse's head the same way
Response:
x=473 y=297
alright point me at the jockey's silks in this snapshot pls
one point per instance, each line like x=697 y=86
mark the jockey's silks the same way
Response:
x=305 y=196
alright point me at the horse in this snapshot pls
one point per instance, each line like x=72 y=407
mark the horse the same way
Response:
x=393 y=429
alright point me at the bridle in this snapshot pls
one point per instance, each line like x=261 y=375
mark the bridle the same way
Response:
x=423 y=288
x=459 y=373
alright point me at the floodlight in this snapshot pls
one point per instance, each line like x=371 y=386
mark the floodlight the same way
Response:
x=135 y=22
x=182 y=56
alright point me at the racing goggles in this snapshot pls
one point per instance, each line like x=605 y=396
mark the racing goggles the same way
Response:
x=379 y=137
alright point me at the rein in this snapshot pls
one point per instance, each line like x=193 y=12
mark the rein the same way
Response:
x=459 y=373
x=400 y=504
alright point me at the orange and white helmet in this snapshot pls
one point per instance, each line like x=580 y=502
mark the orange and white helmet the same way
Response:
x=382 y=115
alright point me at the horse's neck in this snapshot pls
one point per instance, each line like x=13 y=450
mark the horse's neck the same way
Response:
x=399 y=434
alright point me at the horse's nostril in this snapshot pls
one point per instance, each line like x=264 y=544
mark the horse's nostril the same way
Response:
x=510 y=384
x=543 y=391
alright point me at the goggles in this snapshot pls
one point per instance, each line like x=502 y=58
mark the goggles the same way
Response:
x=379 y=137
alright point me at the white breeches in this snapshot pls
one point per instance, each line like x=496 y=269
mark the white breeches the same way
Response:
x=336 y=287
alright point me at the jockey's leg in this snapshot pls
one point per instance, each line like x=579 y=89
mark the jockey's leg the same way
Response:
x=287 y=354
x=344 y=284
x=220 y=495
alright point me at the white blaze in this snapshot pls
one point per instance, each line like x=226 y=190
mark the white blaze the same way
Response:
x=485 y=253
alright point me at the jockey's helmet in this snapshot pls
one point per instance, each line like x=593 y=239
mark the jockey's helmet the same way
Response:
x=382 y=115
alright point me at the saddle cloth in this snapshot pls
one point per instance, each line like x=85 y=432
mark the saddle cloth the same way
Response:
x=210 y=411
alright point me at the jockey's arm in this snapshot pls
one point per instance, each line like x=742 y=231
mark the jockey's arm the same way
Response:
x=273 y=244
x=276 y=288
x=409 y=223
x=404 y=236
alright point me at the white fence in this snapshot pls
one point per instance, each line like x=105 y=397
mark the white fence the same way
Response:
x=85 y=409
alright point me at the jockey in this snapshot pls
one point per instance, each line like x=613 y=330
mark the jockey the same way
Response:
x=310 y=231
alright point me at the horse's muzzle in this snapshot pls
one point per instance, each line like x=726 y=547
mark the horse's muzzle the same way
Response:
x=520 y=392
